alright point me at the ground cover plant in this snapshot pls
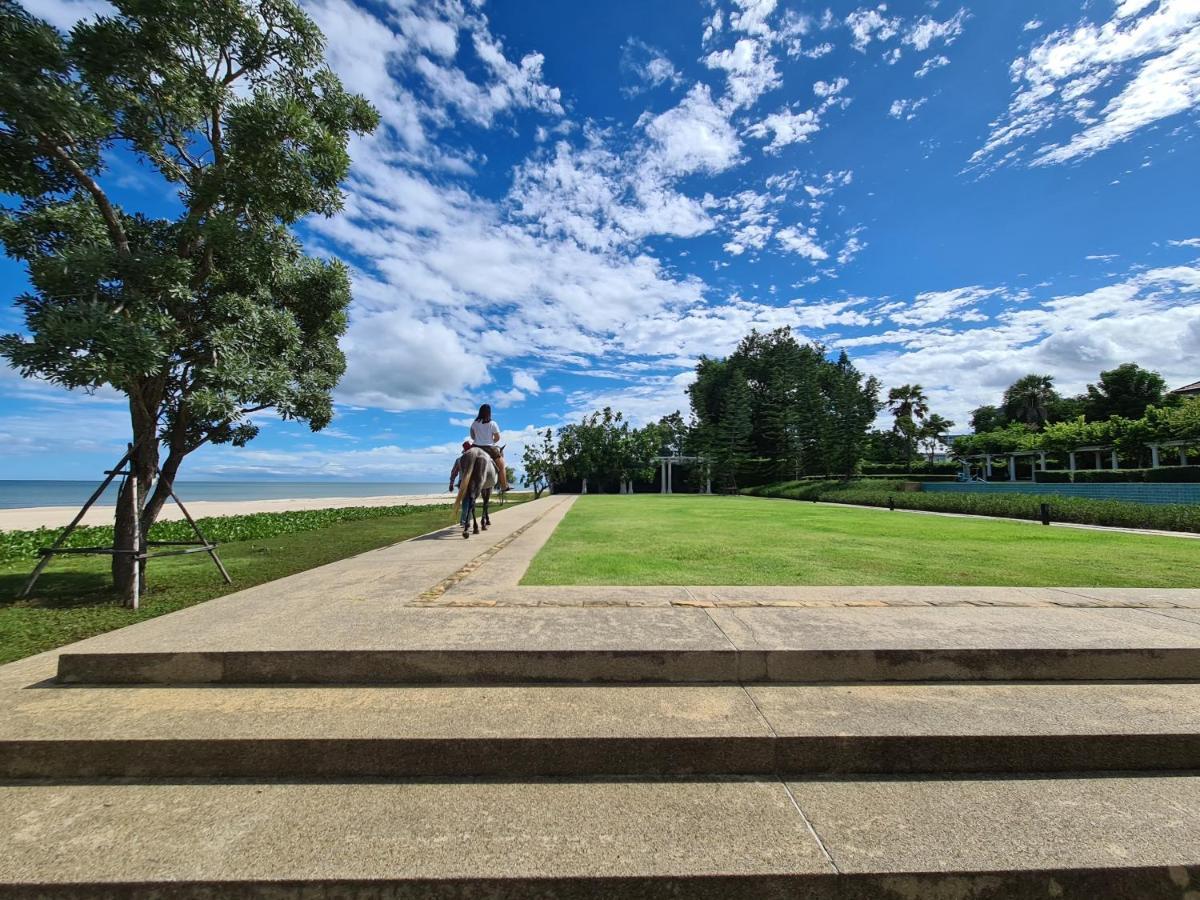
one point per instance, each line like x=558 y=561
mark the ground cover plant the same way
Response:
x=700 y=540
x=1077 y=510
x=75 y=599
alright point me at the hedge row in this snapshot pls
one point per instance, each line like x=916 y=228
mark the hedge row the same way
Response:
x=1083 y=511
x=1167 y=474
x=222 y=529
x=946 y=467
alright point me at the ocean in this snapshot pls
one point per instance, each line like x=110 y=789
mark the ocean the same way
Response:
x=20 y=494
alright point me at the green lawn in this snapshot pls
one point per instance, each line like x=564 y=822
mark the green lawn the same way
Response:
x=74 y=601
x=648 y=539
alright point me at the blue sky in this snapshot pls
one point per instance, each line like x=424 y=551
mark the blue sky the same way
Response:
x=568 y=203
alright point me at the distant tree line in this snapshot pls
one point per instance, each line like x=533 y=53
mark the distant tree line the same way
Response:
x=773 y=409
x=1127 y=408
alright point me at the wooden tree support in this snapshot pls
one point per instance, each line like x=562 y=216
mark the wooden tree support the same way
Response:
x=202 y=545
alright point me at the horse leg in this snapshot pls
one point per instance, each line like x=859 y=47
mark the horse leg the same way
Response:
x=487 y=519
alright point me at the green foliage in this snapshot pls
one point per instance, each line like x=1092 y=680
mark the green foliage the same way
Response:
x=1179 y=422
x=987 y=418
x=222 y=529
x=776 y=407
x=604 y=449
x=1125 y=391
x=1115 y=513
x=948 y=468
x=206 y=318
x=541 y=464
x=1028 y=399
x=1164 y=474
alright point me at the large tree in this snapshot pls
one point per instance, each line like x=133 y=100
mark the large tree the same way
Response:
x=1029 y=400
x=206 y=317
x=1125 y=391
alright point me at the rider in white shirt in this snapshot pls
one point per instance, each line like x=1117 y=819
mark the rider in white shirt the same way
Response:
x=486 y=434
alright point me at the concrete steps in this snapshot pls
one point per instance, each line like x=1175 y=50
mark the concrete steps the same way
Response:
x=386 y=752
x=637 y=731
x=678 y=646
x=1131 y=836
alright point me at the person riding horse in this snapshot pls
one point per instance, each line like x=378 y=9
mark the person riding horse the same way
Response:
x=485 y=434
x=477 y=477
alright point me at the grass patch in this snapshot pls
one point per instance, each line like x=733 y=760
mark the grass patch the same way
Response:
x=651 y=540
x=74 y=599
x=1077 y=510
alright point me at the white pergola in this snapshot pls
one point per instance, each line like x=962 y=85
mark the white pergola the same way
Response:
x=1098 y=449
x=667 y=464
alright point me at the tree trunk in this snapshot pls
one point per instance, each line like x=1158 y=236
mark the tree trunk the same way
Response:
x=129 y=528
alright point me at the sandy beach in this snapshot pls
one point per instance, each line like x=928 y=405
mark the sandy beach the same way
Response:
x=58 y=516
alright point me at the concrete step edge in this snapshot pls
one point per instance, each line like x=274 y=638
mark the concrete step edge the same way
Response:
x=629 y=666
x=909 y=754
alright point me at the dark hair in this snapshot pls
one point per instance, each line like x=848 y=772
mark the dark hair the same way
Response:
x=485 y=413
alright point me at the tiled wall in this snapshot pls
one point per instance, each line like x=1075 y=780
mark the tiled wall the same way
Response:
x=1139 y=493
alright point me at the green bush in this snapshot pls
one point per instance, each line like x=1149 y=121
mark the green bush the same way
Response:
x=1052 y=476
x=1079 y=510
x=222 y=529
x=919 y=468
x=1168 y=474
x=1174 y=474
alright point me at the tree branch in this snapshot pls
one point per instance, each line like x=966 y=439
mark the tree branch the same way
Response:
x=113 y=222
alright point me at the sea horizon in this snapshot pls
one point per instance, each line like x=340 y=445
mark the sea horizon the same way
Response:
x=28 y=493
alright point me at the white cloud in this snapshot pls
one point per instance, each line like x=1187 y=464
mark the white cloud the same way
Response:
x=695 y=136
x=1151 y=317
x=1186 y=242
x=802 y=242
x=868 y=25
x=906 y=109
x=749 y=70
x=830 y=88
x=751 y=17
x=786 y=127
x=934 y=62
x=922 y=33
x=648 y=66
x=1145 y=60
x=1032 y=25
x=525 y=381
x=937 y=306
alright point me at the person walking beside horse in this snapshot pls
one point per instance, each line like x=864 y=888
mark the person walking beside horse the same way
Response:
x=485 y=434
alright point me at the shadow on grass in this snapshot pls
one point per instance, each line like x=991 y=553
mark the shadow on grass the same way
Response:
x=58 y=590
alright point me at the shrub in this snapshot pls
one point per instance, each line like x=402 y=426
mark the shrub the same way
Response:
x=222 y=529
x=922 y=468
x=1168 y=474
x=1078 y=510
x=1052 y=476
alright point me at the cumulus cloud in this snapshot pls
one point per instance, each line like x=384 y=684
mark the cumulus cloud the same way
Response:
x=749 y=70
x=1152 y=317
x=1145 y=60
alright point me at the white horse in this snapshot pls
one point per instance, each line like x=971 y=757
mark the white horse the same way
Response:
x=479 y=478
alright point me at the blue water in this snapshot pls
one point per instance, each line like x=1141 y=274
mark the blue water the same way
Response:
x=19 y=494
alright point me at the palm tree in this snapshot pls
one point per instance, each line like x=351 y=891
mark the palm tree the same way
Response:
x=1027 y=399
x=934 y=432
x=908 y=403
